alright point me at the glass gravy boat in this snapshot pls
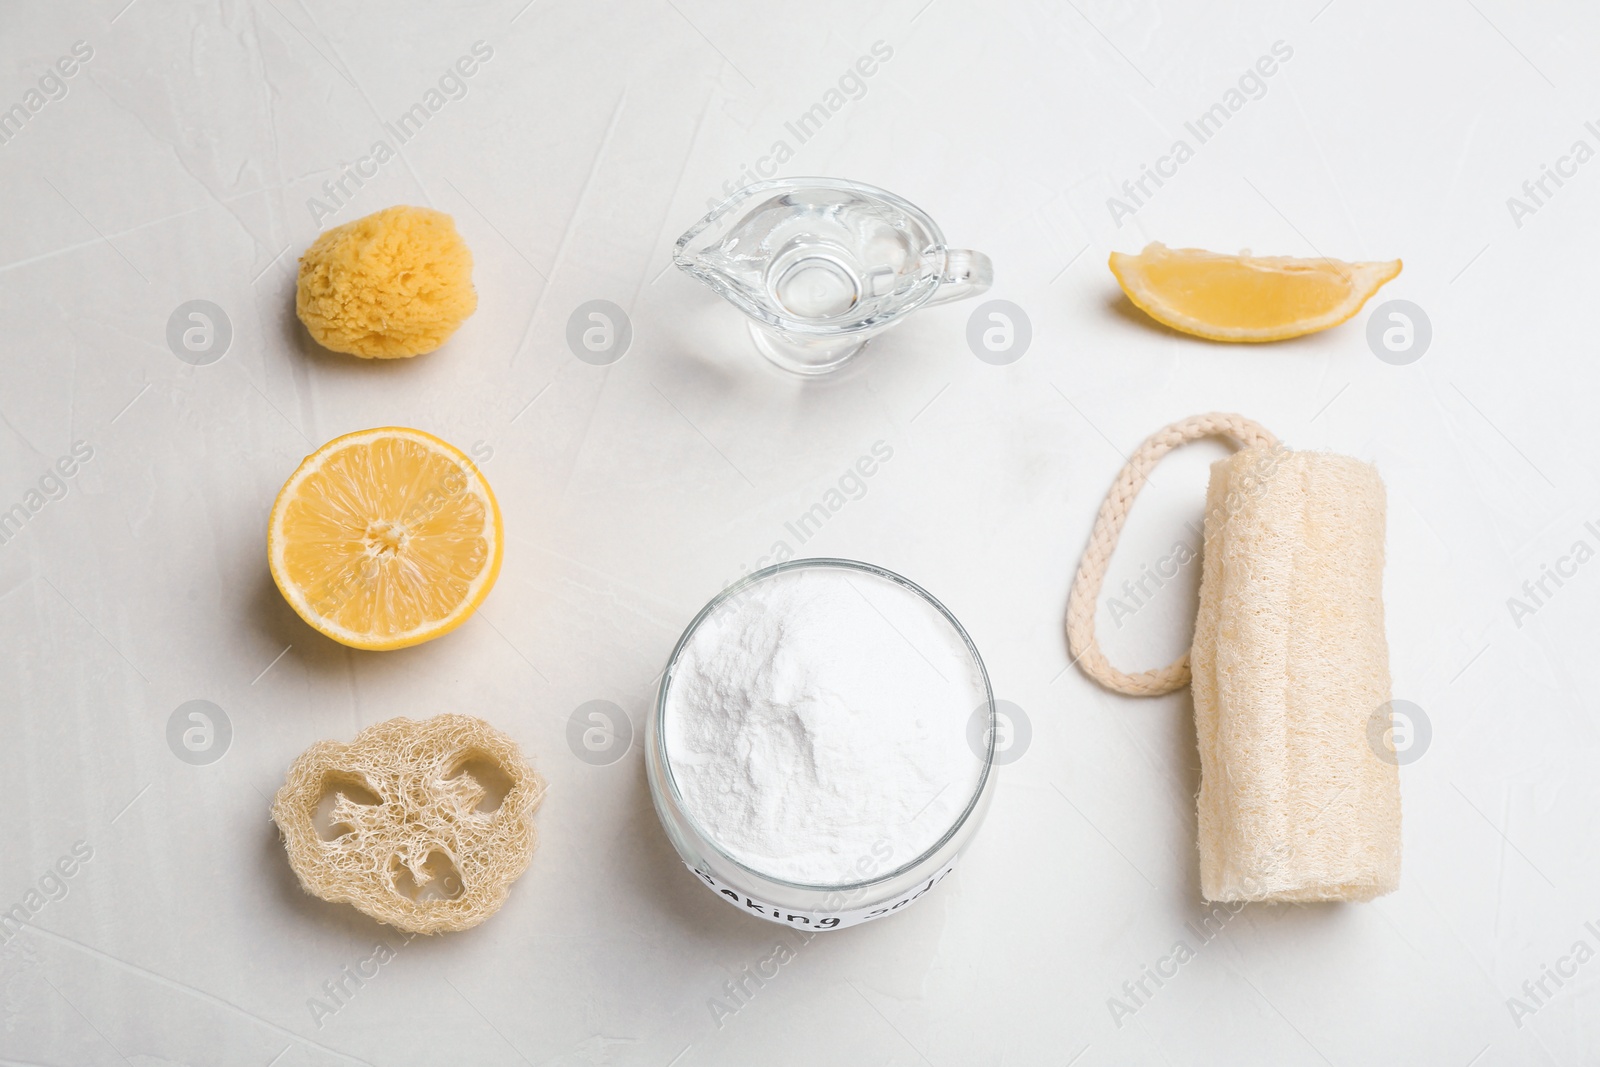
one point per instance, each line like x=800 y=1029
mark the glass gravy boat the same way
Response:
x=820 y=266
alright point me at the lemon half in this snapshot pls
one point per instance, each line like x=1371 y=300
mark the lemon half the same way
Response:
x=385 y=538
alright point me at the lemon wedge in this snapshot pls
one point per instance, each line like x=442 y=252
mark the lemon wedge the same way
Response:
x=1243 y=297
x=385 y=538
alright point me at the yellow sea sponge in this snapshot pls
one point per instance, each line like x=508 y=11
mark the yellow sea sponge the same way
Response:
x=395 y=283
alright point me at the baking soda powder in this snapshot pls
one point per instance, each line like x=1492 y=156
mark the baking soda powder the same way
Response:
x=816 y=725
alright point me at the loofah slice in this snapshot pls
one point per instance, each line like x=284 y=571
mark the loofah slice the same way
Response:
x=421 y=825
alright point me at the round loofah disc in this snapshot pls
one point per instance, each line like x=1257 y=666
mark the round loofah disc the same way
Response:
x=395 y=283
x=421 y=825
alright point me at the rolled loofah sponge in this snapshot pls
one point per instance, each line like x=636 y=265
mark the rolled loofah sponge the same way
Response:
x=421 y=825
x=1290 y=664
x=1299 y=778
x=395 y=283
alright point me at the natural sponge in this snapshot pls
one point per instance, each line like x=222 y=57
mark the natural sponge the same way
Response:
x=421 y=825
x=1290 y=663
x=395 y=283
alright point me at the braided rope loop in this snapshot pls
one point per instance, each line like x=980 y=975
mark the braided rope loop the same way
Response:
x=1108 y=525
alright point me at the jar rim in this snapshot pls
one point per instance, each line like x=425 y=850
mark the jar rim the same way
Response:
x=671 y=783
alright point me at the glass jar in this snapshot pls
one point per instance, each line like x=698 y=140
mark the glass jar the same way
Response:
x=888 y=883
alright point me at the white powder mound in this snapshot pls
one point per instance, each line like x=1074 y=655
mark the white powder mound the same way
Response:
x=819 y=715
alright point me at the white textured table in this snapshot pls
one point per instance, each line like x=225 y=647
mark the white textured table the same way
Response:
x=201 y=146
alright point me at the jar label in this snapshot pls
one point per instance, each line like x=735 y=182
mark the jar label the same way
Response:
x=833 y=919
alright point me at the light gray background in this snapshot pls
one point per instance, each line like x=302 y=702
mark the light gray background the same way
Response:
x=179 y=166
